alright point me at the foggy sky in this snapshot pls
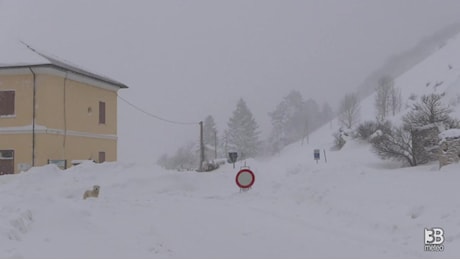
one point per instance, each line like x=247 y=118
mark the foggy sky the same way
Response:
x=184 y=60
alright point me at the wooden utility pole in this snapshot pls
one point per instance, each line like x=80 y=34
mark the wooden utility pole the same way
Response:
x=215 y=144
x=201 y=147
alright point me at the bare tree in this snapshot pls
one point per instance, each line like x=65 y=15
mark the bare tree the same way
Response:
x=383 y=98
x=429 y=111
x=396 y=100
x=397 y=145
x=416 y=142
x=349 y=110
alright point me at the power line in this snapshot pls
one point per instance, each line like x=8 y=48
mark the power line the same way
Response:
x=155 y=116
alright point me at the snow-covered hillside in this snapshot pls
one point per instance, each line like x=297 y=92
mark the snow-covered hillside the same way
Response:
x=438 y=73
x=355 y=205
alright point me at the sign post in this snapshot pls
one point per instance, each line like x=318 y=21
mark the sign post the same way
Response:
x=316 y=154
x=233 y=156
x=245 y=179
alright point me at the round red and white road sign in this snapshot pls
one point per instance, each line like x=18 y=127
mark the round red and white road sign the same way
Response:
x=245 y=178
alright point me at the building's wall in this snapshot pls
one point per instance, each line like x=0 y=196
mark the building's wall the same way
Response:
x=22 y=146
x=85 y=97
x=50 y=102
x=81 y=110
x=51 y=147
x=56 y=147
x=67 y=120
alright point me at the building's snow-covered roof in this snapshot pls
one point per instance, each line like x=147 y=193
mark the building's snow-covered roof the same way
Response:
x=17 y=54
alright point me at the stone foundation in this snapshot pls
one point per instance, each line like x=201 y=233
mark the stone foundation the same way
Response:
x=449 y=152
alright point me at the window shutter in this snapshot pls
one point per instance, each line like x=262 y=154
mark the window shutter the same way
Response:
x=101 y=112
x=7 y=103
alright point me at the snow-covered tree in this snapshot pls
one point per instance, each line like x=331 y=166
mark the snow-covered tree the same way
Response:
x=383 y=98
x=326 y=113
x=395 y=100
x=313 y=113
x=349 y=110
x=396 y=144
x=185 y=158
x=293 y=119
x=209 y=130
x=429 y=110
x=416 y=142
x=288 y=120
x=388 y=99
x=223 y=146
x=242 y=134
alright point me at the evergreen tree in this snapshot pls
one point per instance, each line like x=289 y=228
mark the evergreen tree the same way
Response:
x=288 y=120
x=224 y=144
x=326 y=113
x=242 y=134
x=293 y=120
x=313 y=114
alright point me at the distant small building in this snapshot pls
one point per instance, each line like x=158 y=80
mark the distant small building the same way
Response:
x=54 y=112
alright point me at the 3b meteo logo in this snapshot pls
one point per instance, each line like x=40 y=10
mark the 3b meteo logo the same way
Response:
x=434 y=239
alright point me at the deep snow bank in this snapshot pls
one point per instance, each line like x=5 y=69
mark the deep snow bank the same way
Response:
x=353 y=206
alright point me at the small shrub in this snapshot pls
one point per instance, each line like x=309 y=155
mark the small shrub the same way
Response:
x=339 y=141
x=368 y=128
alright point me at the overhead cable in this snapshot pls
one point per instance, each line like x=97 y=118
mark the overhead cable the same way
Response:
x=156 y=116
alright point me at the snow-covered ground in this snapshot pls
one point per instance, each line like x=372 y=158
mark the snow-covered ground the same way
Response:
x=355 y=205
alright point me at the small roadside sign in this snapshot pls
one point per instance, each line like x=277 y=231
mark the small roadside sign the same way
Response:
x=233 y=156
x=316 y=154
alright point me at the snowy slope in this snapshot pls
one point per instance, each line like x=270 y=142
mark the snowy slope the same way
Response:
x=353 y=206
x=438 y=73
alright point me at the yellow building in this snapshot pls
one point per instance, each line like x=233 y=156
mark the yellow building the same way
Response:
x=53 y=112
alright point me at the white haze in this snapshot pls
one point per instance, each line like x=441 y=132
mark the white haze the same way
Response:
x=184 y=60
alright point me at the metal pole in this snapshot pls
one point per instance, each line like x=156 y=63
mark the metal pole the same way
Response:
x=201 y=147
x=34 y=93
